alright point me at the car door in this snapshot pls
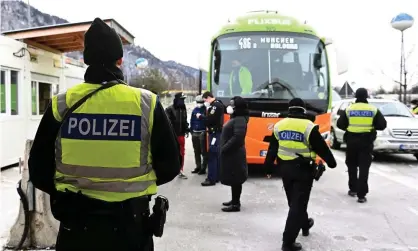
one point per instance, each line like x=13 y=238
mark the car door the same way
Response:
x=338 y=132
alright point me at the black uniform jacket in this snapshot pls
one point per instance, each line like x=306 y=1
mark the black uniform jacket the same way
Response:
x=164 y=146
x=215 y=116
x=317 y=143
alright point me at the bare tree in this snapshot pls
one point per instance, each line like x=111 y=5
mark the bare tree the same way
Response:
x=410 y=73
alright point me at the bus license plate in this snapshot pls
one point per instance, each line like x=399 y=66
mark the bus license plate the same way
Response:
x=408 y=147
x=263 y=153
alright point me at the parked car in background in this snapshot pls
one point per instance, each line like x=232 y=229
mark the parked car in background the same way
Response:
x=336 y=98
x=400 y=136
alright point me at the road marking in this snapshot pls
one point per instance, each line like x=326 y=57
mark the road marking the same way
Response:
x=413 y=210
x=403 y=180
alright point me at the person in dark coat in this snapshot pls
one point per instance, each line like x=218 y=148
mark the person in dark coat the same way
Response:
x=177 y=113
x=233 y=158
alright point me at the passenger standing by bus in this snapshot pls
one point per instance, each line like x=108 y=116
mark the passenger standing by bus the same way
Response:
x=214 y=122
x=296 y=142
x=234 y=168
x=360 y=121
x=198 y=130
x=177 y=113
x=240 y=79
x=101 y=181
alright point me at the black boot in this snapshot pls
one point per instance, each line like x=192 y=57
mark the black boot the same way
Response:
x=362 y=200
x=196 y=170
x=352 y=193
x=227 y=204
x=305 y=232
x=202 y=171
x=296 y=246
x=208 y=183
x=232 y=208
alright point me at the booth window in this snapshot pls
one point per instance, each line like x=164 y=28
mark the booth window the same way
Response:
x=3 y=92
x=9 y=92
x=41 y=96
x=14 y=92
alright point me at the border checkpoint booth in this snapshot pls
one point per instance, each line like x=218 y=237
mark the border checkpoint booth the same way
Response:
x=35 y=227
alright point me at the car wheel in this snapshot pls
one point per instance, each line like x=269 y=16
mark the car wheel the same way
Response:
x=333 y=141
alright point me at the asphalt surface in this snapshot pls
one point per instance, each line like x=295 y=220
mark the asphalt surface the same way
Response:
x=388 y=221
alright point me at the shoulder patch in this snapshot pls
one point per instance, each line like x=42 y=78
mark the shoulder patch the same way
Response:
x=212 y=111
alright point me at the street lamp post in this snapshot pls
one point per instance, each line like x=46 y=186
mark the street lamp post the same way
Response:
x=401 y=23
x=128 y=73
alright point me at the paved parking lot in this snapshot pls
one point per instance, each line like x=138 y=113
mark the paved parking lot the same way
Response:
x=195 y=222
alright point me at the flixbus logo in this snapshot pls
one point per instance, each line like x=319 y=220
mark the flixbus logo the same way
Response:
x=261 y=21
x=270 y=114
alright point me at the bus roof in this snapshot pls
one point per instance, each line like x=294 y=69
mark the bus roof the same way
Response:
x=270 y=21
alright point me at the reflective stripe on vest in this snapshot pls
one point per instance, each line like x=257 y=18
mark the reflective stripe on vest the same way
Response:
x=360 y=117
x=103 y=149
x=293 y=136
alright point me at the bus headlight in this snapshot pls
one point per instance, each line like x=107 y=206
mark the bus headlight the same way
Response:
x=325 y=135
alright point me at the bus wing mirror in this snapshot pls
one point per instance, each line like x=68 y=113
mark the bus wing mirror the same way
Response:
x=327 y=41
x=217 y=66
x=317 y=61
x=342 y=62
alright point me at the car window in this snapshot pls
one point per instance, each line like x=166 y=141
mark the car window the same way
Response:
x=394 y=109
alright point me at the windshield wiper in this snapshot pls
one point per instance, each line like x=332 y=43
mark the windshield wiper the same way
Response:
x=264 y=88
x=396 y=115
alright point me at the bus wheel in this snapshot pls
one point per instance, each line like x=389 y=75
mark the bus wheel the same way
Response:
x=333 y=141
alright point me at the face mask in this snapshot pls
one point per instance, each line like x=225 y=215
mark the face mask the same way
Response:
x=207 y=104
x=199 y=105
x=230 y=110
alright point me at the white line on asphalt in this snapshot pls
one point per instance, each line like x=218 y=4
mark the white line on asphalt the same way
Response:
x=403 y=180
x=413 y=210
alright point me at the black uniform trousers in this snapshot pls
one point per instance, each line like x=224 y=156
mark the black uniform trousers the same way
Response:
x=200 y=152
x=110 y=226
x=297 y=182
x=358 y=160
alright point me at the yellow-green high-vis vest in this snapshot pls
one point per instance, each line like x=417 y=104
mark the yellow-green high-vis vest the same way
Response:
x=103 y=148
x=293 y=136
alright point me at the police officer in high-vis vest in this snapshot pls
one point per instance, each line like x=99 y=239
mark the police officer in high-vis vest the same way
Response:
x=102 y=164
x=414 y=104
x=296 y=141
x=360 y=121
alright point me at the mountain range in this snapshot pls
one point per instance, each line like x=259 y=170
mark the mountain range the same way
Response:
x=14 y=15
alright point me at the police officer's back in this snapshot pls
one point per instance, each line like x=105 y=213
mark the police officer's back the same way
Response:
x=296 y=141
x=360 y=121
x=102 y=165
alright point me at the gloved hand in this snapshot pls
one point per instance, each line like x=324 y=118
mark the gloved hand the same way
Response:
x=332 y=164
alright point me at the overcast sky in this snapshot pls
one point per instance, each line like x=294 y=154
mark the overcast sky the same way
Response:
x=180 y=30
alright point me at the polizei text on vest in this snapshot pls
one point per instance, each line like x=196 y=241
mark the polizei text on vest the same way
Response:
x=102 y=127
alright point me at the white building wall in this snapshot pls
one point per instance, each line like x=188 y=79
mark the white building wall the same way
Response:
x=16 y=129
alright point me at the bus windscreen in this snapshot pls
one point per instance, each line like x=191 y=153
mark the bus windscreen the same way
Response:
x=272 y=65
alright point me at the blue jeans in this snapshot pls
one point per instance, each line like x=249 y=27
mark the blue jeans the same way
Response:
x=213 y=157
